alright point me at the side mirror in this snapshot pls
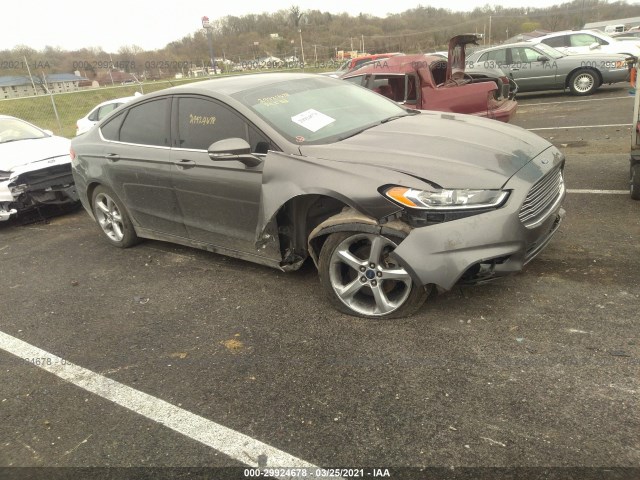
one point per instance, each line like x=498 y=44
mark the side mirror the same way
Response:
x=543 y=58
x=594 y=45
x=233 y=149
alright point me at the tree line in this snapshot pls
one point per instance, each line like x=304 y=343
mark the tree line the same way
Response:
x=321 y=35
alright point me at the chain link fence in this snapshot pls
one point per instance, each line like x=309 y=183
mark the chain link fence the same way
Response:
x=59 y=112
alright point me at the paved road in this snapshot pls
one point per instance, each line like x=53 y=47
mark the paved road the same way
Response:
x=538 y=370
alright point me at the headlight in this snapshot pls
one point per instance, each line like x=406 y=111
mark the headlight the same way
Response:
x=444 y=199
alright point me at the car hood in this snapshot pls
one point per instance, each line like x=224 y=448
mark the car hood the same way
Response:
x=451 y=151
x=14 y=155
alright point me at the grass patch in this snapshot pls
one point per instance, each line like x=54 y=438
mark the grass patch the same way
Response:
x=71 y=106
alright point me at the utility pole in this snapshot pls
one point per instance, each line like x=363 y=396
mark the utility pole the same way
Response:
x=489 y=30
x=301 y=47
x=207 y=26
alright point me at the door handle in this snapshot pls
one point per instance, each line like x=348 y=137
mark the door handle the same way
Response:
x=514 y=69
x=112 y=157
x=184 y=164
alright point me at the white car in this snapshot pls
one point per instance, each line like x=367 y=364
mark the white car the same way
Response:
x=35 y=168
x=589 y=41
x=99 y=112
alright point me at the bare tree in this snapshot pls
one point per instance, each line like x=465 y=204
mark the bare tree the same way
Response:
x=295 y=15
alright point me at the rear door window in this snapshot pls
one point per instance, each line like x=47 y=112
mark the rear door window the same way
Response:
x=557 y=42
x=582 y=40
x=146 y=124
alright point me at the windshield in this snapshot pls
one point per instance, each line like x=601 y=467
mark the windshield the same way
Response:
x=12 y=129
x=549 y=51
x=318 y=110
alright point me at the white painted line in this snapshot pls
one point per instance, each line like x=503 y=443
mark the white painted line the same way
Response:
x=601 y=192
x=581 y=126
x=238 y=446
x=524 y=105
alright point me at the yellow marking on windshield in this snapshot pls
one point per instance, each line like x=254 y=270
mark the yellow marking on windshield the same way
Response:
x=275 y=100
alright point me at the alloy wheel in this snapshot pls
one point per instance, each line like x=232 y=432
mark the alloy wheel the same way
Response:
x=365 y=278
x=109 y=217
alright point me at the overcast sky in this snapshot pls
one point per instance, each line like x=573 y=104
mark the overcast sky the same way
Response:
x=152 y=24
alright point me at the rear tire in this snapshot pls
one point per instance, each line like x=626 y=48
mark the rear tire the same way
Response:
x=584 y=82
x=112 y=218
x=360 y=278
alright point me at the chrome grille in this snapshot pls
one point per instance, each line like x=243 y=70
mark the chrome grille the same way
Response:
x=542 y=197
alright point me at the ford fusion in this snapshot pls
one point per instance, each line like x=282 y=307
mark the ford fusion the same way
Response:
x=388 y=203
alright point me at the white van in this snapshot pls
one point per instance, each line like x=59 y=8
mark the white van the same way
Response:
x=614 y=28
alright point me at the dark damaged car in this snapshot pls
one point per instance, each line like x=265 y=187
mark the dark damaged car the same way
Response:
x=35 y=168
x=276 y=168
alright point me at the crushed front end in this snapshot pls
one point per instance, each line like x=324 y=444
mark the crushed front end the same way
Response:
x=477 y=247
x=30 y=187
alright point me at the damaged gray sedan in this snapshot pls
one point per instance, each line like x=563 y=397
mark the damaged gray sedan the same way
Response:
x=276 y=168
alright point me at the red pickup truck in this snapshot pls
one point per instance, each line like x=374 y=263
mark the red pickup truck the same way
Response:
x=432 y=82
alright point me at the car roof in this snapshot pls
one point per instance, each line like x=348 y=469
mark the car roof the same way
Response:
x=116 y=100
x=567 y=32
x=235 y=83
x=531 y=43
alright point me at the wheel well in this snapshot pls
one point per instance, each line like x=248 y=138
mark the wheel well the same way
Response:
x=594 y=70
x=90 y=189
x=297 y=218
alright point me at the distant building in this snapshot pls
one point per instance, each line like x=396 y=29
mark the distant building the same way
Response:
x=627 y=22
x=22 y=86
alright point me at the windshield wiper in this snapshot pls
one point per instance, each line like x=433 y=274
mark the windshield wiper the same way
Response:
x=357 y=132
x=395 y=117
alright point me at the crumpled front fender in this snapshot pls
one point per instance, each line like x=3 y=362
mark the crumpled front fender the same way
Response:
x=288 y=176
x=350 y=220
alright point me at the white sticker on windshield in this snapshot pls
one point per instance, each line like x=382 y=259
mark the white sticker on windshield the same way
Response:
x=312 y=120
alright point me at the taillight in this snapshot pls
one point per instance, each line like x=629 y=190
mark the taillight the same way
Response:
x=72 y=154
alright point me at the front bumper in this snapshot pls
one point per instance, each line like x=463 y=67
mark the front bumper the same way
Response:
x=615 y=76
x=488 y=245
x=28 y=190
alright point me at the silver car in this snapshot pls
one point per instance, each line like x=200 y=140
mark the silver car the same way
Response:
x=536 y=67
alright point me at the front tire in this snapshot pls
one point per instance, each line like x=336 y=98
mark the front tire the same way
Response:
x=584 y=82
x=112 y=218
x=360 y=278
x=634 y=181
